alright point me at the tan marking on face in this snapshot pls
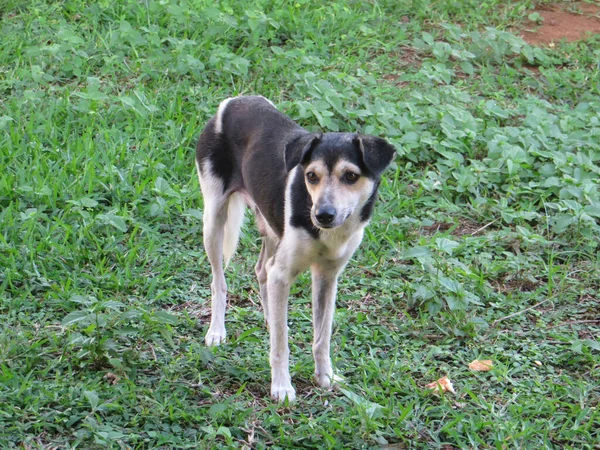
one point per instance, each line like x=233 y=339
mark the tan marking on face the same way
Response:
x=344 y=167
x=320 y=170
x=331 y=189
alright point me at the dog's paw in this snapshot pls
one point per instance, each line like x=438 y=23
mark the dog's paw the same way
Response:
x=280 y=392
x=327 y=380
x=214 y=337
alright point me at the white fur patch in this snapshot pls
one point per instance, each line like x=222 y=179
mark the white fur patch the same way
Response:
x=211 y=186
x=198 y=172
x=287 y=207
x=212 y=191
x=220 y=112
x=270 y=102
x=233 y=225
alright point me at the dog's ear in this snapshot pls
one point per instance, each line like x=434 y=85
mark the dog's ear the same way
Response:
x=298 y=150
x=376 y=153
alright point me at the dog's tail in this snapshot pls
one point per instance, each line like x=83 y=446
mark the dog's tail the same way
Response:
x=235 y=217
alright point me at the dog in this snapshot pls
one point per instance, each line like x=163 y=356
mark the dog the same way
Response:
x=312 y=195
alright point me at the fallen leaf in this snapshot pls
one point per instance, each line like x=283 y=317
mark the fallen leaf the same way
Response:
x=538 y=363
x=442 y=385
x=111 y=378
x=481 y=366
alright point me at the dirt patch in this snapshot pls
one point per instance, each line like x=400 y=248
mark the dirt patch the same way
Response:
x=512 y=284
x=463 y=227
x=407 y=57
x=198 y=309
x=568 y=21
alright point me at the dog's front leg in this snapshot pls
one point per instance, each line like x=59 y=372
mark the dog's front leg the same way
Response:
x=278 y=286
x=324 y=291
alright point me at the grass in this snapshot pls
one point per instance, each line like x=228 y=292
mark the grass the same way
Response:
x=484 y=244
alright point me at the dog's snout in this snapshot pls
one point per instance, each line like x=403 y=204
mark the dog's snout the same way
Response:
x=325 y=215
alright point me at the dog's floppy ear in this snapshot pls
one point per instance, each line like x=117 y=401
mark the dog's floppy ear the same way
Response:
x=376 y=153
x=298 y=150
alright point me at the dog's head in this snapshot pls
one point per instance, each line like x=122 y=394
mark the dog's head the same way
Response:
x=341 y=173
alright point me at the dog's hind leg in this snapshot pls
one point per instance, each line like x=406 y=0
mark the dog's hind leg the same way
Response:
x=324 y=287
x=266 y=251
x=215 y=218
x=214 y=224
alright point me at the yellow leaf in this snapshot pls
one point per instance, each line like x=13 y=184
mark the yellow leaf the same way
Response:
x=442 y=385
x=481 y=366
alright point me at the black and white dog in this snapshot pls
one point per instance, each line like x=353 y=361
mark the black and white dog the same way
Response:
x=312 y=196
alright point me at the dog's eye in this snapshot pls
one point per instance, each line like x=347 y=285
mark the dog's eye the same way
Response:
x=311 y=177
x=351 y=177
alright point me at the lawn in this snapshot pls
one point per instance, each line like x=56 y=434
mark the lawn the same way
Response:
x=484 y=244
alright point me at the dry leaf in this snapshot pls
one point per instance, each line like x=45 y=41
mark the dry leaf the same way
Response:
x=111 y=378
x=481 y=366
x=443 y=384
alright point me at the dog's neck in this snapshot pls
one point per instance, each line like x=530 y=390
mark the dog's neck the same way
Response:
x=341 y=240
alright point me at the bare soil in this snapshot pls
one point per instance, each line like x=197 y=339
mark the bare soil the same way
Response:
x=568 y=21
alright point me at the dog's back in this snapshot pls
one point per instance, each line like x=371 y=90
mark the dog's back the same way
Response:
x=255 y=130
x=249 y=158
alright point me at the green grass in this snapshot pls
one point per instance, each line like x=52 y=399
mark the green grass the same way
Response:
x=484 y=244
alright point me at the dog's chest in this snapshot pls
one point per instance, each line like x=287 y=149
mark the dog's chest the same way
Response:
x=333 y=249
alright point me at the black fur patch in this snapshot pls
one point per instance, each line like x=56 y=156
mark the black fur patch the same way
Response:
x=213 y=147
x=301 y=203
x=338 y=146
x=367 y=210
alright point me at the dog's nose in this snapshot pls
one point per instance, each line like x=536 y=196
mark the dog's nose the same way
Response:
x=325 y=215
